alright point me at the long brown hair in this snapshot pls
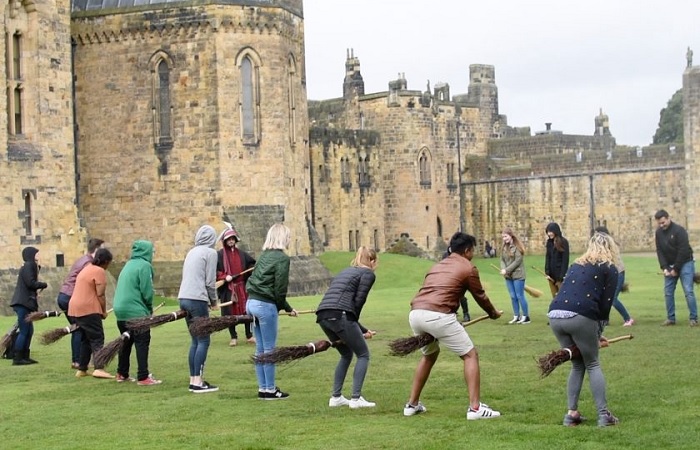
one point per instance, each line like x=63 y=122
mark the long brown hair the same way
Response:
x=519 y=245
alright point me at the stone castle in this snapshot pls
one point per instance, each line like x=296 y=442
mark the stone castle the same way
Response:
x=146 y=119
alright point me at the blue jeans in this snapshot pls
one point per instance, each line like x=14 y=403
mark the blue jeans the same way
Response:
x=265 y=331
x=26 y=330
x=199 y=345
x=75 y=337
x=516 y=289
x=686 y=275
x=617 y=304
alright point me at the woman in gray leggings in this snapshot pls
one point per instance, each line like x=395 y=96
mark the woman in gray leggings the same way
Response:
x=338 y=315
x=577 y=316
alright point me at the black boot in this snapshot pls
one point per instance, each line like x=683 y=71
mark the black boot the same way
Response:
x=20 y=359
x=28 y=358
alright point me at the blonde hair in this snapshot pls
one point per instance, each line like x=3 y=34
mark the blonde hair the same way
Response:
x=519 y=245
x=278 y=237
x=364 y=257
x=602 y=249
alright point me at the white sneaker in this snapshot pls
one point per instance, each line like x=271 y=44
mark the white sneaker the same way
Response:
x=361 y=403
x=484 y=412
x=410 y=410
x=524 y=319
x=516 y=319
x=334 y=402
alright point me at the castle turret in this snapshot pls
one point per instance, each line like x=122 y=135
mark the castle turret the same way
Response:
x=483 y=90
x=602 y=125
x=353 y=85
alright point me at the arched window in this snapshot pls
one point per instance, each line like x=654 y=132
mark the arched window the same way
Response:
x=424 y=167
x=161 y=65
x=249 y=64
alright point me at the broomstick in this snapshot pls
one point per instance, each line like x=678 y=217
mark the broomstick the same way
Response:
x=552 y=360
x=530 y=290
x=54 y=335
x=40 y=315
x=406 y=346
x=146 y=323
x=7 y=339
x=204 y=326
x=283 y=355
x=306 y=311
x=542 y=272
x=221 y=282
x=107 y=353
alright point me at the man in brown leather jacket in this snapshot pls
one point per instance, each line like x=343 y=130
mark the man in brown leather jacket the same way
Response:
x=433 y=311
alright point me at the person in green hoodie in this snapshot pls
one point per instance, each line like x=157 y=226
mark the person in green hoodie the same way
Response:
x=133 y=299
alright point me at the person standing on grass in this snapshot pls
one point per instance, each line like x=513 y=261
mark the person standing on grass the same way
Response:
x=676 y=260
x=556 y=260
x=513 y=270
x=433 y=312
x=338 y=315
x=267 y=295
x=25 y=300
x=617 y=304
x=66 y=292
x=133 y=299
x=197 y=295
x=577 y=316
x=88 y=308
x=231 y=263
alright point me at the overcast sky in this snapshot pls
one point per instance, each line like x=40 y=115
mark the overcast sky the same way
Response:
x=556 y=61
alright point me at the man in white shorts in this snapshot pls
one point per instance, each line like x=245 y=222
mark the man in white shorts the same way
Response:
x=433 y=311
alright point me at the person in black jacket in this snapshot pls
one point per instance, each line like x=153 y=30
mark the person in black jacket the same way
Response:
x=338 y=315
x=676 y=260
x=578 y=315
x=556 y=260
x=25 y=301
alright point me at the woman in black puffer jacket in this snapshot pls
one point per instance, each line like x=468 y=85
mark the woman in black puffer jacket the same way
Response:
x=338 y=315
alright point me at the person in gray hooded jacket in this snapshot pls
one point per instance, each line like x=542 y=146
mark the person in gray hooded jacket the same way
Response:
x=197 y=295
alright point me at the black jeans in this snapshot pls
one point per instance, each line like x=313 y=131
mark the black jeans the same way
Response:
x=93 y=338
x=142 y=342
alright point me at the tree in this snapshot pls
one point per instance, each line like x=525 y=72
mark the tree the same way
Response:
x=671 y=121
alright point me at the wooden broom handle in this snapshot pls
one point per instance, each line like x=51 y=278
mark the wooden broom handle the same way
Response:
x=620 y=338
x=307 y=311
x=478 y=319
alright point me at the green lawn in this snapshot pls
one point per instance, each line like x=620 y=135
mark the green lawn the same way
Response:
x=652 y=383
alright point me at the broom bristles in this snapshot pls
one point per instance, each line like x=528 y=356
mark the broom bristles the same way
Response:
x=533 y=291
x=54 y=335
x=146 y=323
x=204 y=326
x=283 y=355
x=7 y=339
x=106 y=354
x=406 y=346
x=696 y=278
x=552 y=360
x=41 y=315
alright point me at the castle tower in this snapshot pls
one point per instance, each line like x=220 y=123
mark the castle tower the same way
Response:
x=37 y=166
x=483 y=90
x=353 y=84
x=202 y=117
x=691 y=136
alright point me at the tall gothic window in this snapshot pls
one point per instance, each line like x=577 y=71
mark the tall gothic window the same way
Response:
x=424 y=168
x=291 y=89
x=28 y=212
x=161 y=65
x=249 y=64
x=15 y=87
x=345 y=172
x=450 y=174
x=363 y=171
x=164 y=100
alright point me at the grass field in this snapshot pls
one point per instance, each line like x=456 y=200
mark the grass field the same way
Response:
x=652 y=382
